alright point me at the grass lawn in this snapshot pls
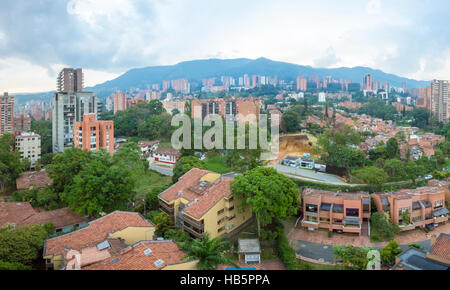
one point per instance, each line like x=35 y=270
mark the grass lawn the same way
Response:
x=151 y=180
x=217 y=164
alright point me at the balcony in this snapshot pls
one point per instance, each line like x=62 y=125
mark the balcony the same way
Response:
x=193 y=231
x=192 y=223
x=166 y=208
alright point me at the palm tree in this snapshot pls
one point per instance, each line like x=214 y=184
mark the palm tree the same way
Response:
x=209 y=252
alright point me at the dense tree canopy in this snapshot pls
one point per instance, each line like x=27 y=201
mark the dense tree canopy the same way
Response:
x=267 y=193
x=21 y=244
x=10 y=164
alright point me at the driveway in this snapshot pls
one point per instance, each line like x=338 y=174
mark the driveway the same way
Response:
x=311 y=176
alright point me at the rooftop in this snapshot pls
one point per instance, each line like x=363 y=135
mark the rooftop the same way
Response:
x=29 y=179
x=201 y=188
x=249 y=246
x=22 y=213
x=96 y=232
x=145 y=255
x=441 y=248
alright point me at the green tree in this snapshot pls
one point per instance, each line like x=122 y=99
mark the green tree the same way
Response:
x=382 y=229
x=209 y=252
x=291 y=121
x=10 y=164
x=13 y=266
x=66 y=166
x=99 y=188
x=351 y=257
x=184 y=165
x=392 y=149
x=372 y=176
x=395 y=169
x=21 y=244
x=389 y=253
x=267 y=193
x=162 y=222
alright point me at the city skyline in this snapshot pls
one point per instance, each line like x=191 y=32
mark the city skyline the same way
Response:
x=400 y=38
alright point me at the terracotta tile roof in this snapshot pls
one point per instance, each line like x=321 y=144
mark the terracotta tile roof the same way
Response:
x=15 y=212
x=442 y=247
x=29 y=179
x=134 y=258
x=167 y=151
x=200 y=200
x=22 y=214
x=148 y=143
x=60 y=218
x=96 y=232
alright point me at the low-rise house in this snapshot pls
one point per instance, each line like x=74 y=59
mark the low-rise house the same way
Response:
x=201 y=201
x=168 y=156
x=335 y=211
x=414 y=208
x=23 y=214
x=148 y=146
x=249 y=251
x=146 y=255
x=30 y=179
x=99 y=240
x=437 y=259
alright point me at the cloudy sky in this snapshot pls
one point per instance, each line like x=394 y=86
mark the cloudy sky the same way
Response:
x=410 y=38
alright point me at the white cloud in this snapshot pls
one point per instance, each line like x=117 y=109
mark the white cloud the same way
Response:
x=374 y=7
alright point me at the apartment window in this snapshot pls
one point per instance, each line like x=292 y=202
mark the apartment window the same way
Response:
x=93 y=128
x=438 y=204
x=311 y=207
x=352 y=212
x=231 y=208
x=220 y=211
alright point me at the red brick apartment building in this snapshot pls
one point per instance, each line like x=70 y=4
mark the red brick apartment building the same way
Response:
x=424 y=207
x=93 y=135
x=335 y=210
x=230 y=107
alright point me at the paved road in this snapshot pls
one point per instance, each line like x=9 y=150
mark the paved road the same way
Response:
x=324 y=253
x=312 y=176
x=324 y=178
x=162 y=170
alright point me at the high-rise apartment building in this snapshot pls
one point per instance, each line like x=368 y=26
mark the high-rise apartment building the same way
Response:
x=93 y=135
x=70 y=80
x=368 y=82
x=439 y=103
x=302 y=83
x=29 y=146
x=6 y=114
x=69 y=108
x=22 y=124
x=120 y=102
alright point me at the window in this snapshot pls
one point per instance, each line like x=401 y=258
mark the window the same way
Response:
x=438 y=204
x=220 y=211
x=353 y=212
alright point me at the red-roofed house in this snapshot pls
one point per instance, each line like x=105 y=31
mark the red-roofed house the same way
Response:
x=201 y=201
x=147 y=255
x=100 y=240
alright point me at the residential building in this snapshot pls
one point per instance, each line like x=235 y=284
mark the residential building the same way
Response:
x=249 y=251
x=69 y=108
x=22 y=124
x=201 y=201
x=439 y=100
x=438 y=258
x=30 y=179
x=368 y=83
x=23 y=214
x=414 y=208
x=181 y=86
x=335 y=211
x=146 y=255
x=101 y=239
x=120 y=102
x=170 y=106
x=238 y=109
x=29 y=146
x=6 y=114
x=70 y=80
x=93 y=135
x=168 y=156
x=109 y=104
